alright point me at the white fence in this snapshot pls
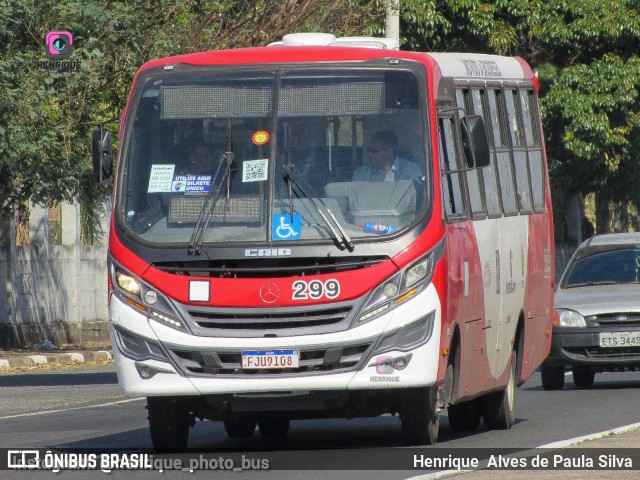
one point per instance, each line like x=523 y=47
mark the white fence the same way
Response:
x=53 y=292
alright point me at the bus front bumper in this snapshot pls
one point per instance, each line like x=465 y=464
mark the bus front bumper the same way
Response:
x=397 y=350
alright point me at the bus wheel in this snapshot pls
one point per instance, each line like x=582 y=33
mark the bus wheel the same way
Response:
x=419 y=418
x=168 y=424
x=239 y=426
x=273 y=427
x=552 y=377
x=464 y=416
x=498 y=408
x=582 y=376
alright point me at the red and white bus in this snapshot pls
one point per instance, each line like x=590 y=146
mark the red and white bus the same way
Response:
x=265 y=265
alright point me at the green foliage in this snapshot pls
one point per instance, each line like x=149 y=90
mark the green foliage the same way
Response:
x=585 y=52
x=47 y=116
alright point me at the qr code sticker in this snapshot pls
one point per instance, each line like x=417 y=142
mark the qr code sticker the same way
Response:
x=254 y=170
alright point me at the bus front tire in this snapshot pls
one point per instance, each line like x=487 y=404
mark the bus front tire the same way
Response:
x=419 y=418
x=168 y=424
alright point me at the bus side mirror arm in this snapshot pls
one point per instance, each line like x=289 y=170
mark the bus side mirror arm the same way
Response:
x=102 y=156
x=474 y=141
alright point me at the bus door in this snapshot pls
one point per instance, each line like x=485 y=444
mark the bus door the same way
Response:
x=464 y=283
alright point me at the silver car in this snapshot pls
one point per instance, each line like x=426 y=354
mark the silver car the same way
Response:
x=596 y=323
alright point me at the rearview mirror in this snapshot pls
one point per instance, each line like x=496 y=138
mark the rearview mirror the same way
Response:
x=102 y=156
x=474 y=141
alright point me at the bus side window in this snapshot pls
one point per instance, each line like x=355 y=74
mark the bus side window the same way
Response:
x=518 y=143
x=531 y=121
x=500 y=130
x=481 y=182
x=489 y=182
x=452 y=180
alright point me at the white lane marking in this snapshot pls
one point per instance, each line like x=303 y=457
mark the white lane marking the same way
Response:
x=46 y=412
x=591 y=436
x=530 y=452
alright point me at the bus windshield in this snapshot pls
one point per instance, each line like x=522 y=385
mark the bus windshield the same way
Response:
x=221 y=154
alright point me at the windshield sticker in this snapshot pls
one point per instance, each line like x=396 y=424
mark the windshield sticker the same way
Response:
x=260 y=137
x=191 y=184
x=282 y=228
x=255 y=170
x=160 y=178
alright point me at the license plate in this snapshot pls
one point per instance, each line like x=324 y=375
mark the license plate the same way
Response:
x=260 y=359
x=620 y=339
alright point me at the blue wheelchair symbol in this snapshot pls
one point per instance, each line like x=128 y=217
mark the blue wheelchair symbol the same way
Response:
x=282 y=228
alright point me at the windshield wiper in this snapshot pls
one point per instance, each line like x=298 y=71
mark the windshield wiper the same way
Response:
x=210 y=202
x=593 y=283
x=337 y=230
x=223 y=172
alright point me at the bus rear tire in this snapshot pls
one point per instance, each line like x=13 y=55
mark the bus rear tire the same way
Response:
x=498 y=408
x=419 y=418
x=464 y=416
x=239 y=425
x=168 y=424
x=552 y=377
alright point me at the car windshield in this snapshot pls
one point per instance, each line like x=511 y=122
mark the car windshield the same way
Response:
x=265 y=155
x=608 y=267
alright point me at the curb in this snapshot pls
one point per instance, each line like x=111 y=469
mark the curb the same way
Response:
x=9 y=360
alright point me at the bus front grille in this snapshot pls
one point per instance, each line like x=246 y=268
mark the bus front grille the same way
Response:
x=246 y=320
x=208 y=321
x=313 y=360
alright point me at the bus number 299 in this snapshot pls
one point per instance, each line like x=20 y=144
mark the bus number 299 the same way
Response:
x=315 y=289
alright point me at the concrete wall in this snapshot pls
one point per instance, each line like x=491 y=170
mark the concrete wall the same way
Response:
x=53 y=292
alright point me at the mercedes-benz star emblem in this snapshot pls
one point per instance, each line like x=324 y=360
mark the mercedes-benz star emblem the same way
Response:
x=269 y=292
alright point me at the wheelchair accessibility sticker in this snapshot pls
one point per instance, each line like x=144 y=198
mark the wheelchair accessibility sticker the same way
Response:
x=282 y=228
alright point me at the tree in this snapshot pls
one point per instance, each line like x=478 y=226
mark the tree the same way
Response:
x=585 y=51
x=46 y=116
x=586 y=55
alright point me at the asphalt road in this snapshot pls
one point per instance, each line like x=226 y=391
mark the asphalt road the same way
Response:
x=84 y=408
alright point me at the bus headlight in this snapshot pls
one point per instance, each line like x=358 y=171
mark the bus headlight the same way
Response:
x=418 y=272
x=399 y=288
x=127 y=283
x=390 y=289
x=144 y=298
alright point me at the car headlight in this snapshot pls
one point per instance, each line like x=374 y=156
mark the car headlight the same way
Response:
x=568 y=318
